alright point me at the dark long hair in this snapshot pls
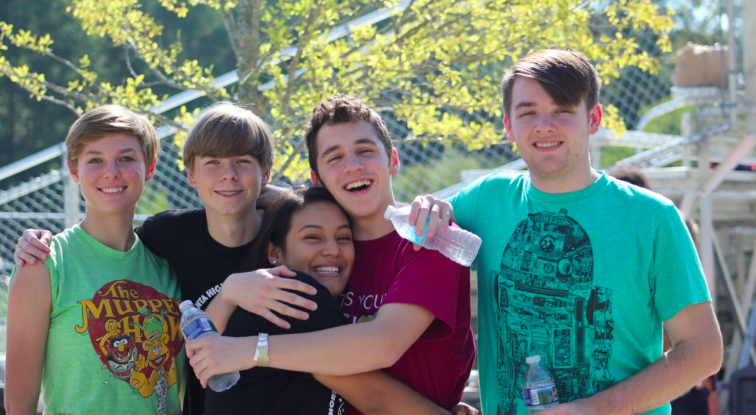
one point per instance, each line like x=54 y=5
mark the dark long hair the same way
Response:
x=277 y=222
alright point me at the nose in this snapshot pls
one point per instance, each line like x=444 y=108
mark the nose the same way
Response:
x=112 y=169
x=353 y=163
x=229 y=171
x=331 y=248
x=544 y=124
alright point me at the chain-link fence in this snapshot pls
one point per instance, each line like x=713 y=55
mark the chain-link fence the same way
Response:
x=426 y=167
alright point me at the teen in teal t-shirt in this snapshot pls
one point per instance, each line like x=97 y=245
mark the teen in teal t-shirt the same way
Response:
x=583 y=279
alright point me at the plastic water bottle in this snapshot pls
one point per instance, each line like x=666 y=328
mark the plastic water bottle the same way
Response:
x=539 y=388
x=456 y=244
x=196 y=324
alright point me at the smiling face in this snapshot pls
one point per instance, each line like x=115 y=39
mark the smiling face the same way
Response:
x=318 y=243
x=552 y=138
x=354 y=166
x=228 y=185
x=112 y=172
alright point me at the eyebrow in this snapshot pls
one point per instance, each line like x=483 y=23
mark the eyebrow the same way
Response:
x=337 y=146
x=320 y=227
x=524 y=104
x=95 y=152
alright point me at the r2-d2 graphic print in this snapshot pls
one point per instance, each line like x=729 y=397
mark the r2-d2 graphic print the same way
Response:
x=546 y=304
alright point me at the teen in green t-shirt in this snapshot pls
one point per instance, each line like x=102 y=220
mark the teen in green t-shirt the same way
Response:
x=96 y=324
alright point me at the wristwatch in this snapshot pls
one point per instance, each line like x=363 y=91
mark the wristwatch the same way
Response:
x=261 y=352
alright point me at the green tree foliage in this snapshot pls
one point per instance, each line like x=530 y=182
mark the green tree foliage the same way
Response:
x=430 y=65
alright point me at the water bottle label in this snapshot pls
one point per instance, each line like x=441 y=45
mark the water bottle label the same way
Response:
x=540 y=396
x=410 y=235
x=198 y=327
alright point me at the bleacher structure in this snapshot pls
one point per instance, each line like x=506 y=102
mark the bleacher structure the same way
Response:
x=709 y=171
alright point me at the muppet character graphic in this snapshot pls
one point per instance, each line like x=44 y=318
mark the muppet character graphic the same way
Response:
x=120 y=350
x=163 y=374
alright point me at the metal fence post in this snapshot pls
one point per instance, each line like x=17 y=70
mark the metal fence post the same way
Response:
x=70 y=195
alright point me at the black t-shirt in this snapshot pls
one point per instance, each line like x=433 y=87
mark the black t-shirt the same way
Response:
x=201 y=265
x=264 y=390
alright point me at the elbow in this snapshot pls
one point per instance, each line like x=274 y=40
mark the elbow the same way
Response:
x=716 y=356
x=384 y=351
x=28 y=408
x=709 y=356
x=389 y=353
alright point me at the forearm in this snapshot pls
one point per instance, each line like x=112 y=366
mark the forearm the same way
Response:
x=25 y=363
x=378 y=393
x=220 y=310
x=661 y=382
x=354 y=348
x=339 y=351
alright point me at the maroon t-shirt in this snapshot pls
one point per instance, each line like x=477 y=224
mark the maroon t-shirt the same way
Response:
x=388 y=270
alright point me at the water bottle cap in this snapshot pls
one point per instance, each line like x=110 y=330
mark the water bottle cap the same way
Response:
x=185 y=305
x=533 y=359
x=389 y=212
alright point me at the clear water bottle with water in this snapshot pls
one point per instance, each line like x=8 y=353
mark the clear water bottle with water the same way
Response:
x=196 y=324
x=538 y=388
x=456 y=244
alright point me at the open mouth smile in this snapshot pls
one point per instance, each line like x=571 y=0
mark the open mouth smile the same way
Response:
x=327 y=270
x=547 y=145
x=358 y=185
x=228 y=192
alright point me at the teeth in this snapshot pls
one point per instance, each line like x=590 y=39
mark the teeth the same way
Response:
x=113 y=189
x=229 y=193
x=326 y=269
x=546 y=144
x=351 y=186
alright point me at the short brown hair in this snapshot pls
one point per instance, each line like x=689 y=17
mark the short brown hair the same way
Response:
x=111 y=119
x=566 y=75
x=342 y=109
x=228 y=130
x=630 y=174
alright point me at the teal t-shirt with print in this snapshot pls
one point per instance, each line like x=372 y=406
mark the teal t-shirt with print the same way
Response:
x=583 y=279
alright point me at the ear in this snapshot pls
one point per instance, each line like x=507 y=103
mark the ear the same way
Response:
x=150 y=170
x=595 y=119
x=508 y=127
x=72 y=170
x=190 y=177
x=315 y=179
x=394 y=162
x=274 y=253
x=265 y=178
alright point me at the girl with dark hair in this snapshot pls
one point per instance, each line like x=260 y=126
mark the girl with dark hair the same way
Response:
x=307 y=232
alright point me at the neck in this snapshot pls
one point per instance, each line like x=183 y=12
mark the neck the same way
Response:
x=369 y=229
x=565 y=183
x=233 y=231
x=114 y=231
x=374 y=226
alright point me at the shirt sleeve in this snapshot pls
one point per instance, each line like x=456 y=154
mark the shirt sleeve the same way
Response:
x=463 y=203
x=676 y=272
x=151 y=233
x=326 y=316
x=428 y=279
